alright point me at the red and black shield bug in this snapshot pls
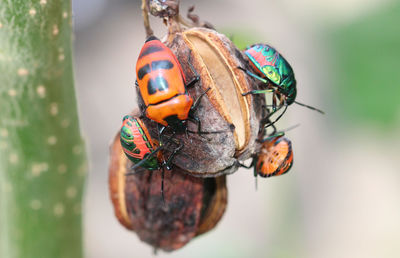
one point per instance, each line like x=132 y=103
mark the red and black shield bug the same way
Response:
x=138 y=144
x=141 y=149
x=163 y=86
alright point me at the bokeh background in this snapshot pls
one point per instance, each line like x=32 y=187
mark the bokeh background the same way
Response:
x=342 y=196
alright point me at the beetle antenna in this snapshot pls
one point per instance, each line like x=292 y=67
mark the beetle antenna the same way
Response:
x=279 y=117
x=280 y=133
x=298 y=103
x=310 y=107
x=290 y=128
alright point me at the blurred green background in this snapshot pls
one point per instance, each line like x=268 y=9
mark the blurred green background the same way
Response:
x=342 y=196
x=366 y=63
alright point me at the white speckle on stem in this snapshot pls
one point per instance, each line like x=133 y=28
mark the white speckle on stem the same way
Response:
x=39 y=168
x=12 y=93
x=7 y=187
x=71 y=192
x=52 y=140
x=55 y=30
x=61 y=57
x=3 y=145
x=54 y=109
x=32 y=12
x=43 y=2
x=65 y=123
x=3 y=132
x=59 y=209
x=62 y=168
x=13 y=158
x=22 y=72
x=35 y=204
x=1 y=25
x=65 y=15
x=82 y=170
x=41 y=91
x=77 y=149
x=77 y=209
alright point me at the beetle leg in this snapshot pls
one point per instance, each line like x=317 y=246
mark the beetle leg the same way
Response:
x=193 y=81
x=199 y=132
x=253 y=75
x=257 y=92
x=170 y=158
x=140 y=163
x=274 y=97
x=196 y=77
x=161 y=130
x=279 y=117
x=197 y=102
x=151 y=154
x=266 y=119
x=197 y=121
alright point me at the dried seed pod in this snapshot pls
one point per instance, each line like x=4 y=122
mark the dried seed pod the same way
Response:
x=215 y=199
x=192 y=205
x=216 y=60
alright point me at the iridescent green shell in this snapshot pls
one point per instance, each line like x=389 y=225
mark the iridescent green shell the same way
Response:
x=275 y=68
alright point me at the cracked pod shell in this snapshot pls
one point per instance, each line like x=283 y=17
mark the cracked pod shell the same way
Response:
x=216 y=60
x=192 y=206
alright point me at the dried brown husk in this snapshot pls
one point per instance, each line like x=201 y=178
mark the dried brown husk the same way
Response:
x=216 y=60
x=192 y=205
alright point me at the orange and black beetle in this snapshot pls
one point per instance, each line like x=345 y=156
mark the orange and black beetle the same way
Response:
x=275 y=157
x=162 y=85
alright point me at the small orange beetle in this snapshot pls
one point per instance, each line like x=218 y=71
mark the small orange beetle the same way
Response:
x=275 y=157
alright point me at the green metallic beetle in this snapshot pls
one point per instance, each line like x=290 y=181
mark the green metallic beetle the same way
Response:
x=273 y=70
x=276 y=73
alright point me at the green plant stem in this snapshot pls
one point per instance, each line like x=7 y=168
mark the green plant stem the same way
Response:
x=42 y=156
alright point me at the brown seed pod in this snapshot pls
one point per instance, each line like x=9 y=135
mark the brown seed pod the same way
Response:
x=215 y=199
x=216 y=60
x=192 y=205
